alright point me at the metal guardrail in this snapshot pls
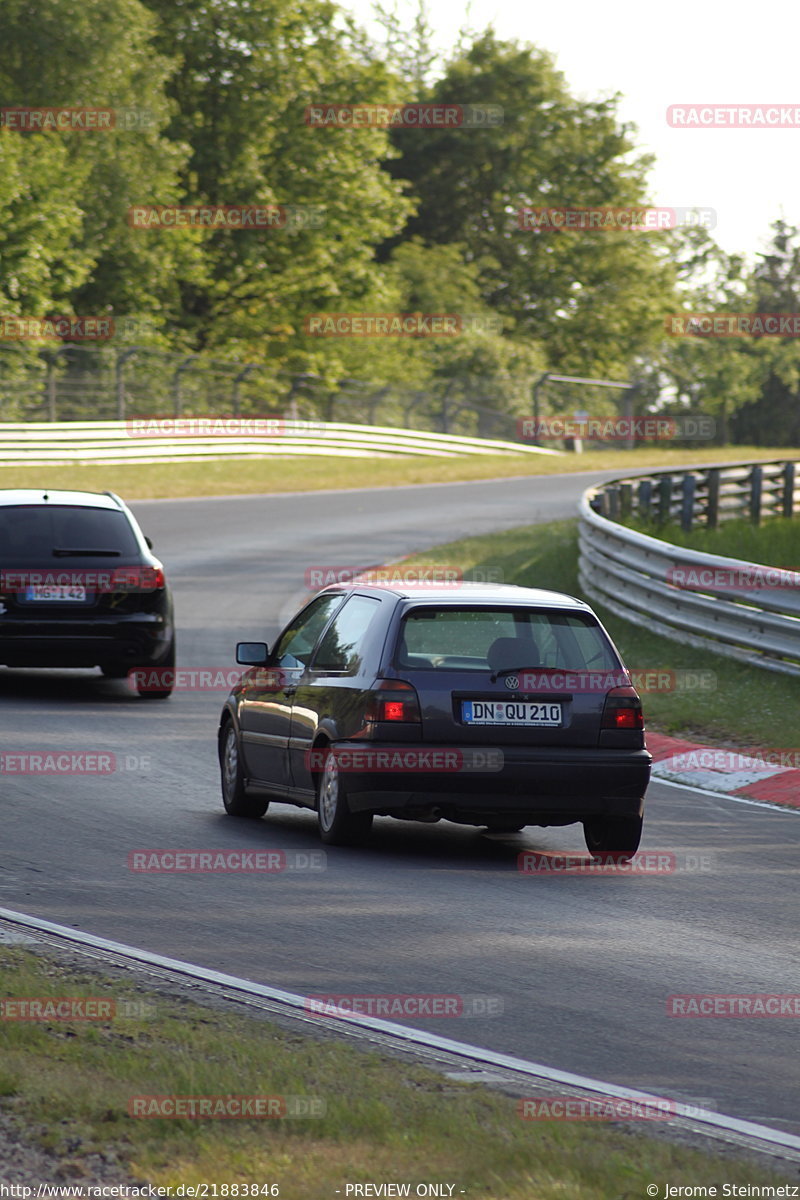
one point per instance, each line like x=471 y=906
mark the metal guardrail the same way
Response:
x=115 y=442
x=739 y=609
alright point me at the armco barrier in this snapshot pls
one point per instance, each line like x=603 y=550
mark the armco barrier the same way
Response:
x=111 y=442
x=630 y=572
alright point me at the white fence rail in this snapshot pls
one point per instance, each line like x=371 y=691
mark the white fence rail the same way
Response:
x=736 y=608
x=194 y=439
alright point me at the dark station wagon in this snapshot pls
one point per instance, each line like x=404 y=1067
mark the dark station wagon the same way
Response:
x=81 y=587
x=486 y=705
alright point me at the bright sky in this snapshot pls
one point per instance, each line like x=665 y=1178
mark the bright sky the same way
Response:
x=700 y=52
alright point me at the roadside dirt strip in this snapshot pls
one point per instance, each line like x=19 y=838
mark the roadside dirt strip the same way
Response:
x=769 y=776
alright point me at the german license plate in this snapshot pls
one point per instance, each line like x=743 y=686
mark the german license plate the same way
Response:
x=510 y=712
x=74 y=592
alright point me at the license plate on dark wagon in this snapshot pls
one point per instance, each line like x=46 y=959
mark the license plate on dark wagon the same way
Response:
x=510 y=712
x=74 y=593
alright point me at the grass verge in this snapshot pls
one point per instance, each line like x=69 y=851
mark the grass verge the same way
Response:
x=222 y=477
x=775 y=543
x=384 y=1120
x=726 y=703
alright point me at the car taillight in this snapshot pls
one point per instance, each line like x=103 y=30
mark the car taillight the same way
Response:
x=393 y=700
x=139 y=579
x=622 y=710
x=153 y=579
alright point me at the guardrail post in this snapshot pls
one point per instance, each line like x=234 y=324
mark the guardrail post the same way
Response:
x=625 y=499
x=645 y=499
x=613 y=503
x=712 y=507
x=687 y=501
x=756 y=481
x=664 y=499
x=787 y=500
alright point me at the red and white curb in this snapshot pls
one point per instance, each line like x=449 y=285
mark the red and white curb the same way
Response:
x=768 y=777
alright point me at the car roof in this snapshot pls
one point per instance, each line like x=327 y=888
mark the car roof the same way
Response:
x=45 y=496
x=467 y=593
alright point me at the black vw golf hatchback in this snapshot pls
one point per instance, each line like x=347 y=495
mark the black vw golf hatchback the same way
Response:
x=80 y=587
x=486 y=705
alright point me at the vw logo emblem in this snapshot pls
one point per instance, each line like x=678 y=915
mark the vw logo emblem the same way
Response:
x=512 y=682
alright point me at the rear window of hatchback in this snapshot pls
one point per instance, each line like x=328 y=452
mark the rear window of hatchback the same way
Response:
x=483 y=639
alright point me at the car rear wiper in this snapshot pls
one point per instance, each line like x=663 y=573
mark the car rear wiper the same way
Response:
x=65 y=552
x=495 y=675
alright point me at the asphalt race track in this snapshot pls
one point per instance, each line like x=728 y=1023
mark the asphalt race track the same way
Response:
x=578 y=969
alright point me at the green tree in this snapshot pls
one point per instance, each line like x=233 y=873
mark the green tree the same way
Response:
x=98 y=55
x=248 y=71
x=773 y=418
x=596 y=300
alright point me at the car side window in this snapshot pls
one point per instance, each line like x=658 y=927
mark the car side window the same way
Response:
x=341 y=649
x=295 y=644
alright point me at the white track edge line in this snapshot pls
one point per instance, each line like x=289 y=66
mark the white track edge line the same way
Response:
x=431 y=1040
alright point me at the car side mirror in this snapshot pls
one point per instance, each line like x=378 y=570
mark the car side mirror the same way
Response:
x=149 y=542
x=252 y=654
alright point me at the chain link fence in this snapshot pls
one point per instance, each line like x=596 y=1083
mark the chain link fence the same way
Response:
x=76 y=383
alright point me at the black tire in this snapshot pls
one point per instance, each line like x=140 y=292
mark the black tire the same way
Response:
x=165 y=663
x=338 y=826
x=613 y=837
x=234 y=797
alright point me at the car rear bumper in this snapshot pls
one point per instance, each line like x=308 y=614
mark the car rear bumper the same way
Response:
x=139 y=640
x=548 y=786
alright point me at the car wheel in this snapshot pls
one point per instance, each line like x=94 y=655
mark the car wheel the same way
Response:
x=166 y=664
x=234 y=797
x=616 y=837
x=115 y=672
x=338 y=826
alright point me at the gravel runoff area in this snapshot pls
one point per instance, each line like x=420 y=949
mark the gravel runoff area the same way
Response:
x=25 y=1165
